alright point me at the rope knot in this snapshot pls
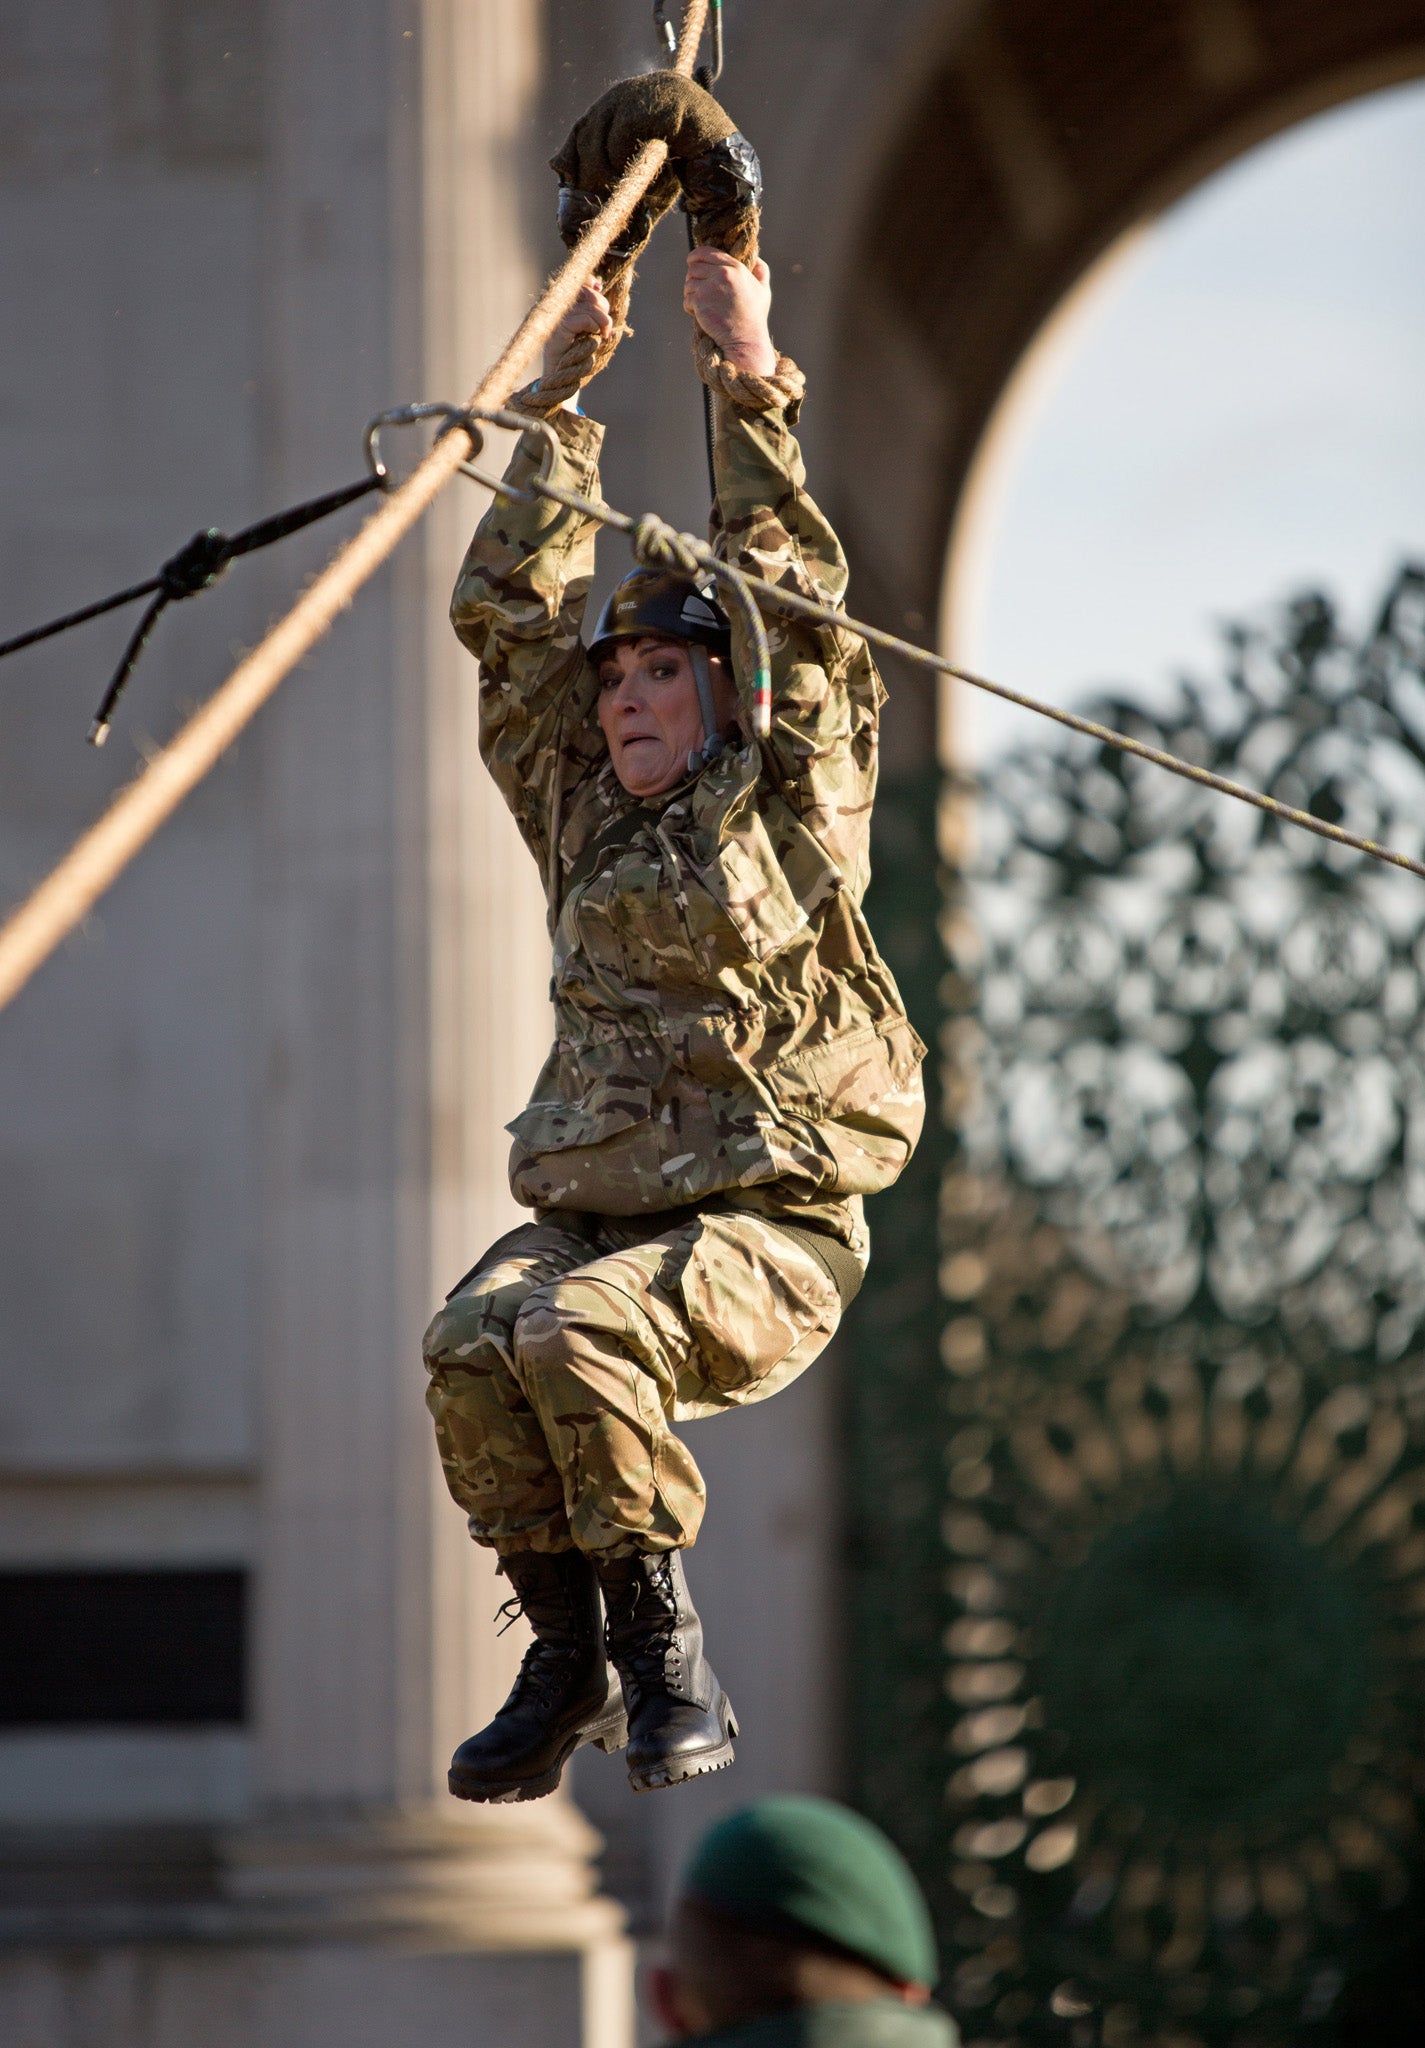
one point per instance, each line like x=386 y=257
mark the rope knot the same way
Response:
x=657 y=545
x=197 y=565
x=784 y=390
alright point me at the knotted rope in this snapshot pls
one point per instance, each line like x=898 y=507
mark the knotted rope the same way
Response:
x=723 y=194
x=657 y=545
x=584 y=355
x=101 y=854
x=715 y=170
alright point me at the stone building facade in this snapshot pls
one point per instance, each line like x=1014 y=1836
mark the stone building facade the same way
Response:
x=249 y=1118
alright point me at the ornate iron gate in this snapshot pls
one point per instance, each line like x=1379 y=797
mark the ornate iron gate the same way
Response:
x=1142 y=1507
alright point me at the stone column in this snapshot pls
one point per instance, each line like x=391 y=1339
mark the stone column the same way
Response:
x=403 y=985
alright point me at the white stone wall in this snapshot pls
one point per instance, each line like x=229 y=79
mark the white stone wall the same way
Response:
x=131 y=413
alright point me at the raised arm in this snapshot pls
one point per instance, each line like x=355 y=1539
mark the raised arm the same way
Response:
x=826 y=693
x=518 y=606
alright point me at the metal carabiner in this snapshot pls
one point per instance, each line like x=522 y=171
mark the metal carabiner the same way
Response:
x=707 y=75
x=469 y=419
x=408 y=416
x=519 y=422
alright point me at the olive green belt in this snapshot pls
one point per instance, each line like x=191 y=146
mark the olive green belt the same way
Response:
x=837 y=1260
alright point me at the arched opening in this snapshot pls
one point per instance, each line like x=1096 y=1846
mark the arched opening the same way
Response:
x=1226 y=408
x=1043 y=138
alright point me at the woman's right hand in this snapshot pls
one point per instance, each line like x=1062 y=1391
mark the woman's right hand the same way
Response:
x=589 y=314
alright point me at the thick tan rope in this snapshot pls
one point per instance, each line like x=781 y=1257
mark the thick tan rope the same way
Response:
x=786 y=387
x=97 y=859
x=584 y=355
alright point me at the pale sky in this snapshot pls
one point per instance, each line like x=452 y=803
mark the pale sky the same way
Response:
x=1235 y=410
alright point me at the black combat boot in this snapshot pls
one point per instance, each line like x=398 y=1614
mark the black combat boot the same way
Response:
x=565 y=1694
x=680 y=1721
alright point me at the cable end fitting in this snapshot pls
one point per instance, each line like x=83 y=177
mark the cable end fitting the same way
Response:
x=98 y=732
x=762 y=707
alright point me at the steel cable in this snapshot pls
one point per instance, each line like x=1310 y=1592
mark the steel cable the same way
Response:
x=660 y=545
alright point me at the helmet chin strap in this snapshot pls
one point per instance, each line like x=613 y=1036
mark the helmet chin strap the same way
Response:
x=712 y=739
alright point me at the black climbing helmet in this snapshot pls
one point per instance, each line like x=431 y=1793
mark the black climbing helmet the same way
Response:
x=673 y=607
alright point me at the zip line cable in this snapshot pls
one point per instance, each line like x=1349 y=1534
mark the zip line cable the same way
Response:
x=100 y=855
x=655 y=544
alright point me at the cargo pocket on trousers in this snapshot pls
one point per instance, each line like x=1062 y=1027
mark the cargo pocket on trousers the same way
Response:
x=758 y=1308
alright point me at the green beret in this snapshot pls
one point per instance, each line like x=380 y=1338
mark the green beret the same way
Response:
x=824 y=1868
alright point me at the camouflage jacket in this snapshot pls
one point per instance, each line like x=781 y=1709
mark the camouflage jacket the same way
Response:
x=725 y=1026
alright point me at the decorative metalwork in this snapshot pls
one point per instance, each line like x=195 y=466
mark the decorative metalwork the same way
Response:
x=1183 y=1252
x=895 y=1558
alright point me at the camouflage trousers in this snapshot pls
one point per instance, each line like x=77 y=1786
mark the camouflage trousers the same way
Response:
x=559 y=1367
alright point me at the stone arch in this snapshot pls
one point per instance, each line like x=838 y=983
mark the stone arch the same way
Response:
x=1018 y=140
x=1034 y=136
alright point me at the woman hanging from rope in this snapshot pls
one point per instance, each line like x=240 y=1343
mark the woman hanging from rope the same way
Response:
x=733 y=1069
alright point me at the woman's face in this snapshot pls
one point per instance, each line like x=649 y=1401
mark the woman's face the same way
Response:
x=649 y=711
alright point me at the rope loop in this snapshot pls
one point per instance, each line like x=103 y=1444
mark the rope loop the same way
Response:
x=722 y=196
x=783 y=391
x=657 y=545
x=708 y=165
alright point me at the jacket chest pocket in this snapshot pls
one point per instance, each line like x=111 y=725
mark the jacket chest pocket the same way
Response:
x=743 y=904
x=587 y=941
x=646 y=912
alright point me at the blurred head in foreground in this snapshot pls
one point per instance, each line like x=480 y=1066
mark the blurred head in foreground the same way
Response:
x=798 y=1920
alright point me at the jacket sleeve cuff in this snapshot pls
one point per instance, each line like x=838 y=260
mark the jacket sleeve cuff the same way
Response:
x=782 y=392
x=581 y=436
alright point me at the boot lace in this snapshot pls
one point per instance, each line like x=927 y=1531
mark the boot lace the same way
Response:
x=642 y=1662
x=545 y=1667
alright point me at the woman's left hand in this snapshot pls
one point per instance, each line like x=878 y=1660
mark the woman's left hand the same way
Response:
x=731 y=304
